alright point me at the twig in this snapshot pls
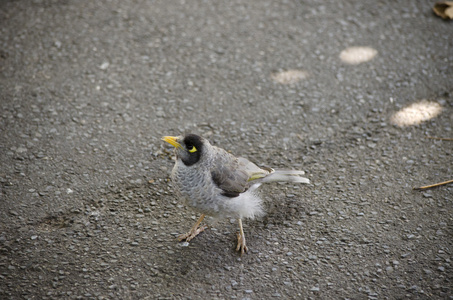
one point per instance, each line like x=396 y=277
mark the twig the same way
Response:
x=433 y=185
x=439 y=138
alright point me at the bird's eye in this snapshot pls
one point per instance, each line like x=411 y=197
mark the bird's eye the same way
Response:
x=191 y=148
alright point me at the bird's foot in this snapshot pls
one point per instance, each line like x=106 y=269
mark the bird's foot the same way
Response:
x=241 y=244
x=192 y=233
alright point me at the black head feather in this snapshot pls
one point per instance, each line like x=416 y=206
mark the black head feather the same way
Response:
x=190 y=141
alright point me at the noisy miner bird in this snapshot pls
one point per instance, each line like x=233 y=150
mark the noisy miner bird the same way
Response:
x=216 y=183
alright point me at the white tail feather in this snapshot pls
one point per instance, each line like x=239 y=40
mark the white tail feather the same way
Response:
x=289 y=172
x=285 y=177
x=250 y=205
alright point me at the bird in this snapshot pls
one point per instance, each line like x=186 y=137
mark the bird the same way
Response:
x=214 y=182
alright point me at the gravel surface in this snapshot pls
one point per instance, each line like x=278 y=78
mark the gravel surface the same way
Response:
x=87 y=89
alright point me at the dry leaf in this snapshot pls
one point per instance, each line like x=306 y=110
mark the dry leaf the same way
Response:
x=444 y=9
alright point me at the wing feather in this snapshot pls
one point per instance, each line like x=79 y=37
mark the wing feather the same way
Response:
x=232 y=174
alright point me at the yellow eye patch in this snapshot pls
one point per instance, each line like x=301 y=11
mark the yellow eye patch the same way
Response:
x=193 y=149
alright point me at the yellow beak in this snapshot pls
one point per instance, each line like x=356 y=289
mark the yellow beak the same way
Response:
x=172 y=140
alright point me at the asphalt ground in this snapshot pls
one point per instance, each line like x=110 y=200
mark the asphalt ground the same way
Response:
x=348 y=91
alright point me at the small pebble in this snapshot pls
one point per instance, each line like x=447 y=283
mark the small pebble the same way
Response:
x=104 y=66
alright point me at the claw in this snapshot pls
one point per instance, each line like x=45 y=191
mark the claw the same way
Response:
x=241 y=244
x=194 y=231
x=191 y=234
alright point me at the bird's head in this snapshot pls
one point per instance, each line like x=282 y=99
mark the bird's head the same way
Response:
x=188 y=148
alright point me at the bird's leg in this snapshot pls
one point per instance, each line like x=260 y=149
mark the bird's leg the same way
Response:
x=194 y=231
x=241 y=239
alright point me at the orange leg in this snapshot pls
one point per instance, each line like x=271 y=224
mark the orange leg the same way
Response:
x=194 y=231
x=241 y=239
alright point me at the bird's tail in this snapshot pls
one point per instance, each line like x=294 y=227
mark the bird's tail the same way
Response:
x=286 y=176
x=252 y=207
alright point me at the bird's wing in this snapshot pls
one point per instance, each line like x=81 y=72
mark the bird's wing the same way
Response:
x=232 y=174
x=253 y=171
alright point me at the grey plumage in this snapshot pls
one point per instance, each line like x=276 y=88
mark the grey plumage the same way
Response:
x=214 y=182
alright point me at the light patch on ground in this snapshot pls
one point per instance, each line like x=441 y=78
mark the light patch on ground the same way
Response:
x=357 y=55
x=416 y=113
x=289 y=76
